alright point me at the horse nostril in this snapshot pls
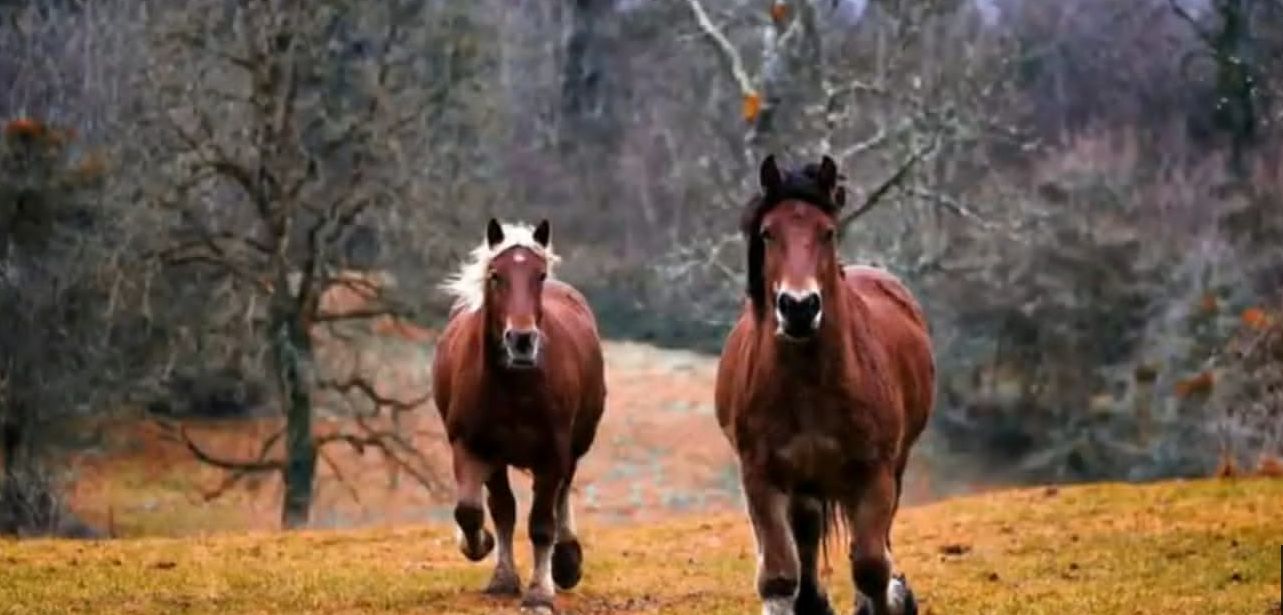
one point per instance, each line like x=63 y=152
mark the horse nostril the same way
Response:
x=800 y=308
x=811 y=304
x=520 y=342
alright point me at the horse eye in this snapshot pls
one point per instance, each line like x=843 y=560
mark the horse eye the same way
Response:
x=829 y=234
x=494 y=279
x=543 y=276
x=767 y=236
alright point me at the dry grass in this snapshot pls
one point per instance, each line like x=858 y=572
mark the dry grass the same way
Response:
x=1183 y=547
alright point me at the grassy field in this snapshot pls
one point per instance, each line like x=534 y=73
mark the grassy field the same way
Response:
x=1207 y=546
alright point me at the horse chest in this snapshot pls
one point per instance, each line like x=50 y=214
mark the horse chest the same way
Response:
x=516 y=429
x=809 y=435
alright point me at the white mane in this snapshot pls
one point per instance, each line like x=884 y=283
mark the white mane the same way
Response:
x=468 y=284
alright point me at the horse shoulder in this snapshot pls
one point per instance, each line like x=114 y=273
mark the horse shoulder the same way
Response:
x=732 y=369
x=449 y=361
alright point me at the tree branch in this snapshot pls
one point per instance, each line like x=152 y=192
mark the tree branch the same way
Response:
x=361 y=385
x=1202 y=33
x=726 y=51
x=261 y=464
x=891 y=182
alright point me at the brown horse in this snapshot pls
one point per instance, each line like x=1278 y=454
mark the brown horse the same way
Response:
x=825 y=382
x=519 y=381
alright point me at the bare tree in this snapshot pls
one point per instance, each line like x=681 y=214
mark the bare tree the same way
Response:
x=281 y=132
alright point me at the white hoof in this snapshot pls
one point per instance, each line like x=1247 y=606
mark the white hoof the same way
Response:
x=777 y=606
x=896 y=595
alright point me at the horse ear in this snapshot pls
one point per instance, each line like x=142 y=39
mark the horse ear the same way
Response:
x=494 y=233
x=769 y=174
x=828 y=173
x=543 y=233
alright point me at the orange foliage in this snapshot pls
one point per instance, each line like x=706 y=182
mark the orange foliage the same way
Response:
x=1256 y=318
x=1270 y=466
x=1198 y=384
x=752 y=106
x=24 y=128
x=779 y=12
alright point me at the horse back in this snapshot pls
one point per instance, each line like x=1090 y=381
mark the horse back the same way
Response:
x=898 y=321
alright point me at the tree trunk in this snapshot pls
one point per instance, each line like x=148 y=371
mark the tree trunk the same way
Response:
x=1235 y=87
x=292 y=349
x=13 y=436
x=589 y=75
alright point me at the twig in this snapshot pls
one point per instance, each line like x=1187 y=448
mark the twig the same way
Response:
x=890 y=183
x=730 y=57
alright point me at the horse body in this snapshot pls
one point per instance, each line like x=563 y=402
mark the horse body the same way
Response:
x=817 y=415
x=532 y=418
x=519 y=381
x=824 y=384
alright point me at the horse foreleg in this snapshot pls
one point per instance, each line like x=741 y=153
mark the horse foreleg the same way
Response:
x=543 y=533
x=470 y=474
x=503 y=511
x=567 y=555
x=777 y=562
x=870 y=519
x=806 y=517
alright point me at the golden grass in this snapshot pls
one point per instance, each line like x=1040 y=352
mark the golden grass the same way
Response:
x=1182 y=547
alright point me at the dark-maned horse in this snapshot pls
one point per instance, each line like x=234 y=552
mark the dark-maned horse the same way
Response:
x=519 y=381
x=825 y=382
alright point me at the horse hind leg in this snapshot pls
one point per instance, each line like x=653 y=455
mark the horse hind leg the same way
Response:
x=806 y=517
x=503 y=512
x=470 y=475
x=568 y=554
x=869 y=518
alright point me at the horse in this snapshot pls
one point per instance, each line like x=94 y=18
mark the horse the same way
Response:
x=518 y=379
x=824 y=383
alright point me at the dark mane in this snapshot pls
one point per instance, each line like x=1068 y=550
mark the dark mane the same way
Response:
x=797 y=184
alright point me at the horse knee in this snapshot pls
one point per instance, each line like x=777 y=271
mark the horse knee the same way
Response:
x=871 y=573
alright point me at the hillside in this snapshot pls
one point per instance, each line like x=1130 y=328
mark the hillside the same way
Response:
x=1207 y=546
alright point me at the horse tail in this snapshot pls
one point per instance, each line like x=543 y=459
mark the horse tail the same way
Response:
x=832 y=526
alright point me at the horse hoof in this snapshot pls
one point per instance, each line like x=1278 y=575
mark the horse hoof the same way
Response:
x=476 y=553
x=503 y=585
x=537 y=604
x=567 y=564
x=811 y=601
x=899 y=597
x=903 y=596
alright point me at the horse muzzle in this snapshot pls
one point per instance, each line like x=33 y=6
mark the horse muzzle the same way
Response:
x=799 y=314
x=522 y=347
